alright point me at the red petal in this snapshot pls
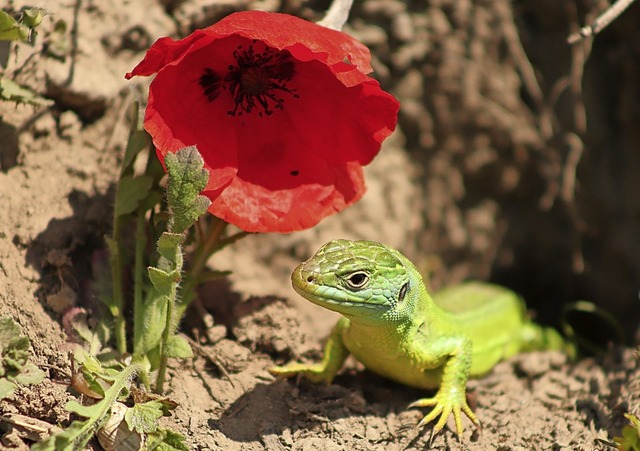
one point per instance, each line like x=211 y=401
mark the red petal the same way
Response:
x=179 y=115
x=163 y=52
x=283 y=30
x=254 y=208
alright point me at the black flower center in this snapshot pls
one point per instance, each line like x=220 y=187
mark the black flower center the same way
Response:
x=257 y=81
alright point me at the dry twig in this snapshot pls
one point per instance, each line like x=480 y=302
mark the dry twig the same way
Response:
x=601 y=22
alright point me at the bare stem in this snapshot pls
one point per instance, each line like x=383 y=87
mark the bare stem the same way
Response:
x=337 y=14
x=601 y=22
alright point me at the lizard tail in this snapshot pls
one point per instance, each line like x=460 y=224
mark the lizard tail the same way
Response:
x=539 y=338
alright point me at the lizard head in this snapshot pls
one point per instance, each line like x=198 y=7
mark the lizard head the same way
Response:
x=363 y=280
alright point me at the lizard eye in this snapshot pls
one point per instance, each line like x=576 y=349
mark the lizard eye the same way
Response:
x=358 y=280
x=403 y=292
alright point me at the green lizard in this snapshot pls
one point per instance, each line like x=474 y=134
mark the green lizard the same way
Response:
x=392 y=326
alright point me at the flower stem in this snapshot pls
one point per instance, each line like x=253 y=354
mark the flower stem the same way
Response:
x=138 y=276
x=166 y=333
x=204 y=249
x=118 y=301
x=337 y=14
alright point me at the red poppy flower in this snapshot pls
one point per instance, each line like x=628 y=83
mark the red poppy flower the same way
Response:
x=281 y=110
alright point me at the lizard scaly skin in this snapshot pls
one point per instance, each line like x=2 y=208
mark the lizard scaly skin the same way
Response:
x=392 y=326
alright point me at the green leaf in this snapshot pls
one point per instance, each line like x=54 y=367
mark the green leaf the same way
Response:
x=78 y=434
x=154 y=356
x=6 y=388
x=151 y=322
x=178 y=348
x=30 y=374
x=8 y=330
x=166 y=440
x=88 y=362
x=74 y=437
x=10 y=90
x=169 y=246
x=131 y=191
x=143 y=418
x=11 y=29
x=138 y=140
x=187 y=178
x=74 y=406
x=32 y=17
x=19 y=344
x=161 y=280
x=154 y=198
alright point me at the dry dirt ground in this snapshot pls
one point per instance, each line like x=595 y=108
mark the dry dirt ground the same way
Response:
x=493 y=174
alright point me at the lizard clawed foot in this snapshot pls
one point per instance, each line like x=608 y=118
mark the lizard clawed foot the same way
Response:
x=444 y=405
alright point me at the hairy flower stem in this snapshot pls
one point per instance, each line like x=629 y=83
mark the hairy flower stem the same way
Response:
x=138 y=280
x=168 y=332
x=204 y=249
x=118 y=301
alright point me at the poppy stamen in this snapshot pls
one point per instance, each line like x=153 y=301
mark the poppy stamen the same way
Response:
x=253 y=81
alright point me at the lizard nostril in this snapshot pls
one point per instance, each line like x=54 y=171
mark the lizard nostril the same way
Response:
x=309 y=279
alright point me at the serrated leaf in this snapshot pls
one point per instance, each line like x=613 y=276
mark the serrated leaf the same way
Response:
x=167 y=440
x=78 y=434
x=131 y=191
x=84 y=411
x=200 y=206
x=8 y=330
x=30 y=374
x=6 y=388
x=16 y=353
x=143 y=418
x=19 y=344
x=187 y=178
x=178 y=348
x=10 y=90
x=167 y=404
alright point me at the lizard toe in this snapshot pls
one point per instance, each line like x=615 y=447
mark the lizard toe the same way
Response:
x=424 y=402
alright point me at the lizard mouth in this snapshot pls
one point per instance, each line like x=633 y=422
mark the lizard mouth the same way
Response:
x=307 y=283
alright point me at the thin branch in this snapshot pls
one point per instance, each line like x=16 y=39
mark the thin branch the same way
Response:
x=512 y=39
x=601 y=22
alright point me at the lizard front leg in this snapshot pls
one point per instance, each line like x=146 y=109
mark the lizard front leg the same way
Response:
x=335 y=353
x=451 y=396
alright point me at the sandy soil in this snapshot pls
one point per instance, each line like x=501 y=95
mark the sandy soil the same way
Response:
x=482 y=180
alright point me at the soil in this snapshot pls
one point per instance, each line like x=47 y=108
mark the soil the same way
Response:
x=515 y=161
